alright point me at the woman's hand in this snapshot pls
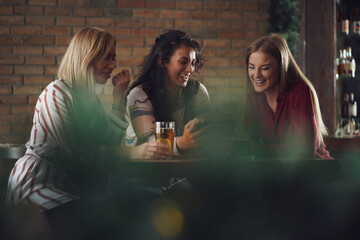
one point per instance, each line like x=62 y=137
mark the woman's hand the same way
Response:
x=149 y=150
x=120 y=82
x=192 y=137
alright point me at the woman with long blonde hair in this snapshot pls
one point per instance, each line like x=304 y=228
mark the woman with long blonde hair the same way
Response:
x=283 y=116
x=74 y=143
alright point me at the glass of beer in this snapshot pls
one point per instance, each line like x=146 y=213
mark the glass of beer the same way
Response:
x=165 y=133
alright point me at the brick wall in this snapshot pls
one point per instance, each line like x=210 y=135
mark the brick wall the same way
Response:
x=34 y=35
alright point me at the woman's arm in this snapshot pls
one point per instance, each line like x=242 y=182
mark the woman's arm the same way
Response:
x=120 y=82
x=140 y=113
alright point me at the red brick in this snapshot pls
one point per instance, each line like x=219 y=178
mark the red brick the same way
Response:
x=146 y=32
x=70 y=21
x=189 y=5
x=161 y=4
x=131 y=4
x=59 y=11
x=23 y=108
x=40 y=40
x=218 y=62
x=216 y=81
x=6 y=70
x=13 y=99
x=33 y=99
x=254 y=35
x=4 y=129
x=27 y=69
x=216 y=43
x=11 y=20
x=149 y=41
x=57 y=30
x=237 y=81
x=211 y=91
x=5 y=40
x=26 y=30
x=257 y=16
x=13 y=119
x=216 y=24
x=13 y=2
x=40 y=20
x=6 y=10
x=203 y=15
x=27 y=10
x=241 y=43
x=227 y=15
x=88 y=12
x=229 y=53
x=263 y=26
x=125 y=42
x=6 y=50
x=264 y=7
x=72 y=2
x=36 y=80
x=160 y=23
x=40 y=60
x=23 y=128
x=129 y=22
x=55 y=50
x=246 y=25
x=12 y=59
x=145 y=13
x=59 y=58
x=231 y=34
x=141 y=51
x=230 y=72
x=10 y=79
x=207 y=71
x=110 y=22
x=16 y=139
x=123 y=51
x=28 y=50
x=245 y=7
x=27 y=89
x=63 y=40
x=238 y=62
x=42 y=2
x=209 y=52
x=5 y=90
x=188 y=24
x=174 y=14
x=217 y=5
x=51 y=70
x=230 y=90
x=121 y=32
x=129 y=61
x=4 y=30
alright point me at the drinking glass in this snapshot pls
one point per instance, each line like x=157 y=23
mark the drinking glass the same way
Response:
x=165 y=133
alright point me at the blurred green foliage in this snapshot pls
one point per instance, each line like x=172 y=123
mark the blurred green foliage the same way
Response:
x=284 y=19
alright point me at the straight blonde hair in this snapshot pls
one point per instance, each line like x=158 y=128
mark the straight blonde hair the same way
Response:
x=275 y=45
x=88 y=47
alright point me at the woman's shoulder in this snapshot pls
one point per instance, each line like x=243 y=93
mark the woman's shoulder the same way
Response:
x=137 y=92
x=299 y=86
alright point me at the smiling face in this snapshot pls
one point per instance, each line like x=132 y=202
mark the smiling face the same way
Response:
x=264 y=72
x=104 y=68
x=180 y=66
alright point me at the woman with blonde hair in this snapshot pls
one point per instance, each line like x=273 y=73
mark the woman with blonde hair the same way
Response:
x=283 y=116
x=74 y=143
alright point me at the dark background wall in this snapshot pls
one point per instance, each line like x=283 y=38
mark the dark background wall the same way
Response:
x=34 y=35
